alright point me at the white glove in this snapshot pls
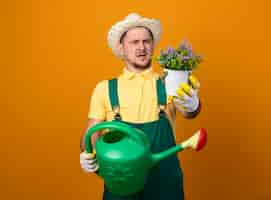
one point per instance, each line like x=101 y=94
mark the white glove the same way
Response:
x=188 y=103
x=88 y=162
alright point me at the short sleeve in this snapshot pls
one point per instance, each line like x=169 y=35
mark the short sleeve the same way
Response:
x=97 y=108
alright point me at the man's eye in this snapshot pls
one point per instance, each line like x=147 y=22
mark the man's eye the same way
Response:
x=147 y=41
x=134 y=41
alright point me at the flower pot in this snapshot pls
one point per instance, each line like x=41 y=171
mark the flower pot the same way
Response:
x=173 y=80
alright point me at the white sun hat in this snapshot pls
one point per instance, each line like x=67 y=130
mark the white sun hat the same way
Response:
x=132 y=20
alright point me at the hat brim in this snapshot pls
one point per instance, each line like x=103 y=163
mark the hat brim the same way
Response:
x=120 y=28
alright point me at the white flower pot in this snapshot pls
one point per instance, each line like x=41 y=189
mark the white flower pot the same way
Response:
x=173 y=80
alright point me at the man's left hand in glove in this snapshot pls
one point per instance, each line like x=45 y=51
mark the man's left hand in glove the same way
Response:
x=187 y=100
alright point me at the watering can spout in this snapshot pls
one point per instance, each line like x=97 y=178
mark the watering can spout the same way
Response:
x=196 y=142
x=157 y=157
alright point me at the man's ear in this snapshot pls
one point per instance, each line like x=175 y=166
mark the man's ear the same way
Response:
x=120 y=49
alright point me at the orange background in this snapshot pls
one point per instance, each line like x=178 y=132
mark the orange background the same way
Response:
x=56 y=54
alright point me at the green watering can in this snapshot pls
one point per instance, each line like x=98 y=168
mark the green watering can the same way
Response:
x=124 y=156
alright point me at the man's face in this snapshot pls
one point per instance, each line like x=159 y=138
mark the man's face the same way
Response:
x=137 y=47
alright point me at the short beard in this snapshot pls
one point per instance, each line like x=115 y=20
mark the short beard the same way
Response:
x=140 y=67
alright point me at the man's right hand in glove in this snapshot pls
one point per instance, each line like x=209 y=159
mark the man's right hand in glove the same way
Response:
x=88 y=162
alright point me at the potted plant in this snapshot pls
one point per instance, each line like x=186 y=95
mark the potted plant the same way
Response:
x=178 y=65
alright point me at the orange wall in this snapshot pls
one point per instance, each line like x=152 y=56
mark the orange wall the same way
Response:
x=61 y=52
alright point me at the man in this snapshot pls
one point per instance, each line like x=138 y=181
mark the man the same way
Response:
x=136 y=98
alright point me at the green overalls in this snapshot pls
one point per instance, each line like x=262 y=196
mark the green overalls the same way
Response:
x=165 y=181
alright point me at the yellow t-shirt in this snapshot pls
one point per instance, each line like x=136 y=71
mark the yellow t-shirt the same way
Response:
x=137 y=99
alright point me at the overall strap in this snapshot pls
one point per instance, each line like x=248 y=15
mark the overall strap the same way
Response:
x=113 y=97
x=161 y=94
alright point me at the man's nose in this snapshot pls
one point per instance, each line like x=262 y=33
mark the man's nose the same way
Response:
x=141 y=46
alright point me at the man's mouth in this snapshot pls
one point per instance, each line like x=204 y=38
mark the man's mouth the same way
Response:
x=141 y=55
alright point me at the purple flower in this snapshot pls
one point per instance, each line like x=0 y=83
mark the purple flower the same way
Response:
x=183 y=58
x=186 y=57
x=190 y=53
x=170 y=51
x=183 y=45
x=189 y=49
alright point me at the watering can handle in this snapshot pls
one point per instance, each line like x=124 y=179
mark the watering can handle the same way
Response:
x=128 y=130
